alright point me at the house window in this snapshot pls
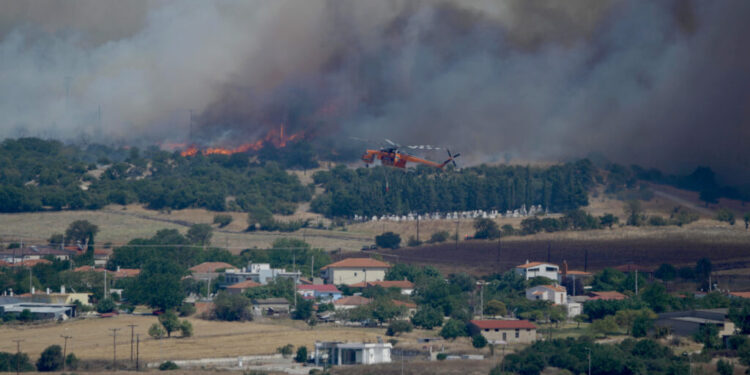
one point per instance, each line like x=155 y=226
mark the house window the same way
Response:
x=517 y=333
x=505 y=336
x=486 y=329
x=551 y=269
x=355 y=274
x=497 y=330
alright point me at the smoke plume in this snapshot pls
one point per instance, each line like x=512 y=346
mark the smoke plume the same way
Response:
x=663 y=84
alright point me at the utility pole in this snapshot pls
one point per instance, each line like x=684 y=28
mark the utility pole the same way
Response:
x=114 y=346
x=137 y=351
x=65 y=348
x=132 y=334
x=18 y=353
x=312 y=268
x=417 y=228
x=457 y=222
x=481 y=300
x=105 y=283
x=589 y=354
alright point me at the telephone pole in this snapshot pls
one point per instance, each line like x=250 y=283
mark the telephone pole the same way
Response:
x=65 y=348
x=132 y=335
x=18 y=353
x=137 y=351
x=114 y=346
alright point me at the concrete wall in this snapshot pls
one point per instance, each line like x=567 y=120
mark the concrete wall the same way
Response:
x=525 y=336
x=350 y=276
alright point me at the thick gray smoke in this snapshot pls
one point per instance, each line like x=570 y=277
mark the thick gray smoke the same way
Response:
x=663 y=84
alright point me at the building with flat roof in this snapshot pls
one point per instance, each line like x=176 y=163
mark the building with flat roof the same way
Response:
x=260 y=273
x=355 y=270
x=505 y=331
x=530 y=270
x=334 y=353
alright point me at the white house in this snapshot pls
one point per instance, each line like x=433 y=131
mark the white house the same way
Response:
x=556 y=294
x=260 y=273
x=530 y=270
x=553 y=293
x=340 y=353
x=354 y=270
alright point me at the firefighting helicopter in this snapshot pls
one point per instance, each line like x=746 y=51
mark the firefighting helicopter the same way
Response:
x=393 y=157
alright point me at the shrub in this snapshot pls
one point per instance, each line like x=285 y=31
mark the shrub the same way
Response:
x=168 y=366
x=156 y=331
x=223 y=220
x=725 y=215
x=441 y=356
x=186 y=309
x=301 y=356
x=71 y=361
x=441 y=236
x=105 y=305
x=398 y=326
x=51 y=359
x=724 y=367
x=186 y=328
x=657 y=221
x=427 y=318
x=478 y=341
x=453 y=328
x=413 y=242
x=388 y=240
x=285 y=350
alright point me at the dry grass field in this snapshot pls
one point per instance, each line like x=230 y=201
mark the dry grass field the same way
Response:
x=92 y=338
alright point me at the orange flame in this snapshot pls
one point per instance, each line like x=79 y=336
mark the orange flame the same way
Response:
x=275 y=137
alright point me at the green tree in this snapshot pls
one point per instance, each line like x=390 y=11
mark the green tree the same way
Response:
x=495 y=307
x=285 y=350
x=747 y=220
x=724 y=367
x=709 y=196
x=301 y=356
x=303 y=311
x=398 y=326
x=666 y=272
x=703 y=270
x=200 y=234
x=56 y=239
x=634 y=211
x=223 y=220
x=186 y=328
x=608 y=220
x=708 y=335
x=388 y=240
x=478 y=341
x=486 y=229
x=71 y=361
x=80 y=231
x=641 y=325
x=170 y=322
x=603 y=326
x=440 y=236
x=51 y=359
x=231 y=307
x=452 y=329
x=158 y=285
x=427 y=317
x=725 y=215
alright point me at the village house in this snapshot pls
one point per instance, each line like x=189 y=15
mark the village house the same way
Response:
x=340 y=353
x=101 y=257
x=323 y=292
x=209 y=270
x=506 y=331
x=270 y=307
x=405 y=286
x=354 y=270
x=553 y=293
x=530 y=270
x=241 y=287
x=411 y=308
x=24 y=254
x=606 y=296
x=350 y=302
x=260 y=273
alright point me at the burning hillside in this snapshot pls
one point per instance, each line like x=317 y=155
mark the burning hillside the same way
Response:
x=275 y=137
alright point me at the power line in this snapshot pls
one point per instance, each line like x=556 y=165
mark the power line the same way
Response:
x=114 y=346
x=65 y=348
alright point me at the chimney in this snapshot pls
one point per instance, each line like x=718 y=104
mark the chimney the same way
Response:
x=527 y=261
x=11 y=292
x=565 y=267
x=118 y=269
x=62 y=289
x=47 y=290
x=33 y=290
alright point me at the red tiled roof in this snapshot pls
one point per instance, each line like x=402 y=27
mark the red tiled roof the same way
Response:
x=607 y=296
x=503 y=324
x=206 y=267
x=358 y=263
x=740 y=294
x=102 y=252
x=328 y=288
x=533 y=264
x=30 y=263
x=578 y=273
x=352 y=301
x=127 y=272
x=408 y=305
x=401 y=284
x=244 y=285
x=556 y=288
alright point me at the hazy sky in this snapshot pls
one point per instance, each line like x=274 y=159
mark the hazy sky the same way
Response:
x=664 y=84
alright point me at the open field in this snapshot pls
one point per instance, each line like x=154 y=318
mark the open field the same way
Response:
x=679 y=246
x=92 y=338
x=118 y=225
